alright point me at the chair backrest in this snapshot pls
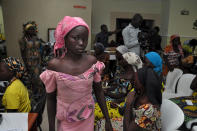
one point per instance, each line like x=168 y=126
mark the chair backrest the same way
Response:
x=194 y=128
x=192 y=124
x=172 y=78
x=172 y=117
x=184 y=84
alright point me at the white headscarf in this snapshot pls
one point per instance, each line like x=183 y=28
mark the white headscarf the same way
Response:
x=122 y=49
x=133 y=59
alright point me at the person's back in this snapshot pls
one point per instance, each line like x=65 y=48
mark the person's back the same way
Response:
x=16 y=97
x=155 y=43
x=155 y=39
x=143 y=104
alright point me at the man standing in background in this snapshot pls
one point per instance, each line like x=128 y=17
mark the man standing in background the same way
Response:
x=130 y=34
x=103 y=36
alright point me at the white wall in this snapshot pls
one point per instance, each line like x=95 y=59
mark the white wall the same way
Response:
x=102 y=10
x=47 y=13
x=175 y=23
x=165 y=10
x=182 y=24
x=1 y=21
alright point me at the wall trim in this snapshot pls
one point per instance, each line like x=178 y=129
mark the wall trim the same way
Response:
x=180 y=36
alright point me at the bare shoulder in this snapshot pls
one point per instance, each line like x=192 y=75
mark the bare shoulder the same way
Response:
x=91 y=59
x=53 y=64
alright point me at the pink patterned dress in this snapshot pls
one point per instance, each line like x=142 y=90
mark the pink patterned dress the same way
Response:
x=75 y=104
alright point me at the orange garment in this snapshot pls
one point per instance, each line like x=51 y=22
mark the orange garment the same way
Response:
x=172 y=56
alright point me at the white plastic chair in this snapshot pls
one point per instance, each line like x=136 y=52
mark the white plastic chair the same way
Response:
x=184 y=83
x=172 y=117
x=171 y=80
x=168 y=95
x=189 y=124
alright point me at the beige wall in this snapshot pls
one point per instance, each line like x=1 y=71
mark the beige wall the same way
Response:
x=165 y=10
x=175 y=23
x=1 y=21
x=182 y=24
x=102 y=10
x=106 y=12
x=46 y=13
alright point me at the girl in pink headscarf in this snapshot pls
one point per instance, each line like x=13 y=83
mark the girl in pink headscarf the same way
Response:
x=70 y=77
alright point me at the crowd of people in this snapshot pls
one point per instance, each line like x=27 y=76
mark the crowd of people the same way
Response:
x=80 y=89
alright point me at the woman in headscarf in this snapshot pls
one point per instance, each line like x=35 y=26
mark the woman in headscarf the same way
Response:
x=153 y=60
x=120 y=50
x=31 y=52
x=103 y=57
x=173 y=54
x=119 y=86
x=116 y=94
x=143 y=105
x=16 y=97
x=99 y=52
x=69 y=79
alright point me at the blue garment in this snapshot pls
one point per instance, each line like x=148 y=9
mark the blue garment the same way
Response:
x=156 y=60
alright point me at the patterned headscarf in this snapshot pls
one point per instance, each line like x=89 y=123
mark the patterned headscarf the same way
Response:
x=122 y=49
x=133 y=59
x=30 y=24
x=63 y=28
x=156 y=60
x=17 y=67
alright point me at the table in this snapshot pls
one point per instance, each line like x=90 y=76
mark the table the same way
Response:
x=190 y=111
x=14 y=122
x=18 y=121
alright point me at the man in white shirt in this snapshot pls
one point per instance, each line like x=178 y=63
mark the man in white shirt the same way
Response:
x=130 y=34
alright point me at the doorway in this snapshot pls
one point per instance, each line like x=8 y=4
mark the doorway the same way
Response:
x=121 y=24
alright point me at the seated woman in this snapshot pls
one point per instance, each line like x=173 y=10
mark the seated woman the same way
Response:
x=16 y=97
x=116 y=95
x=119 y=86
x=190 y=58
x=142 y=111
x=154 y=61
x=103 y=57
x=173 y=54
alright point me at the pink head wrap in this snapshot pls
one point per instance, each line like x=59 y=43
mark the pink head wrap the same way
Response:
x=63 y=28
